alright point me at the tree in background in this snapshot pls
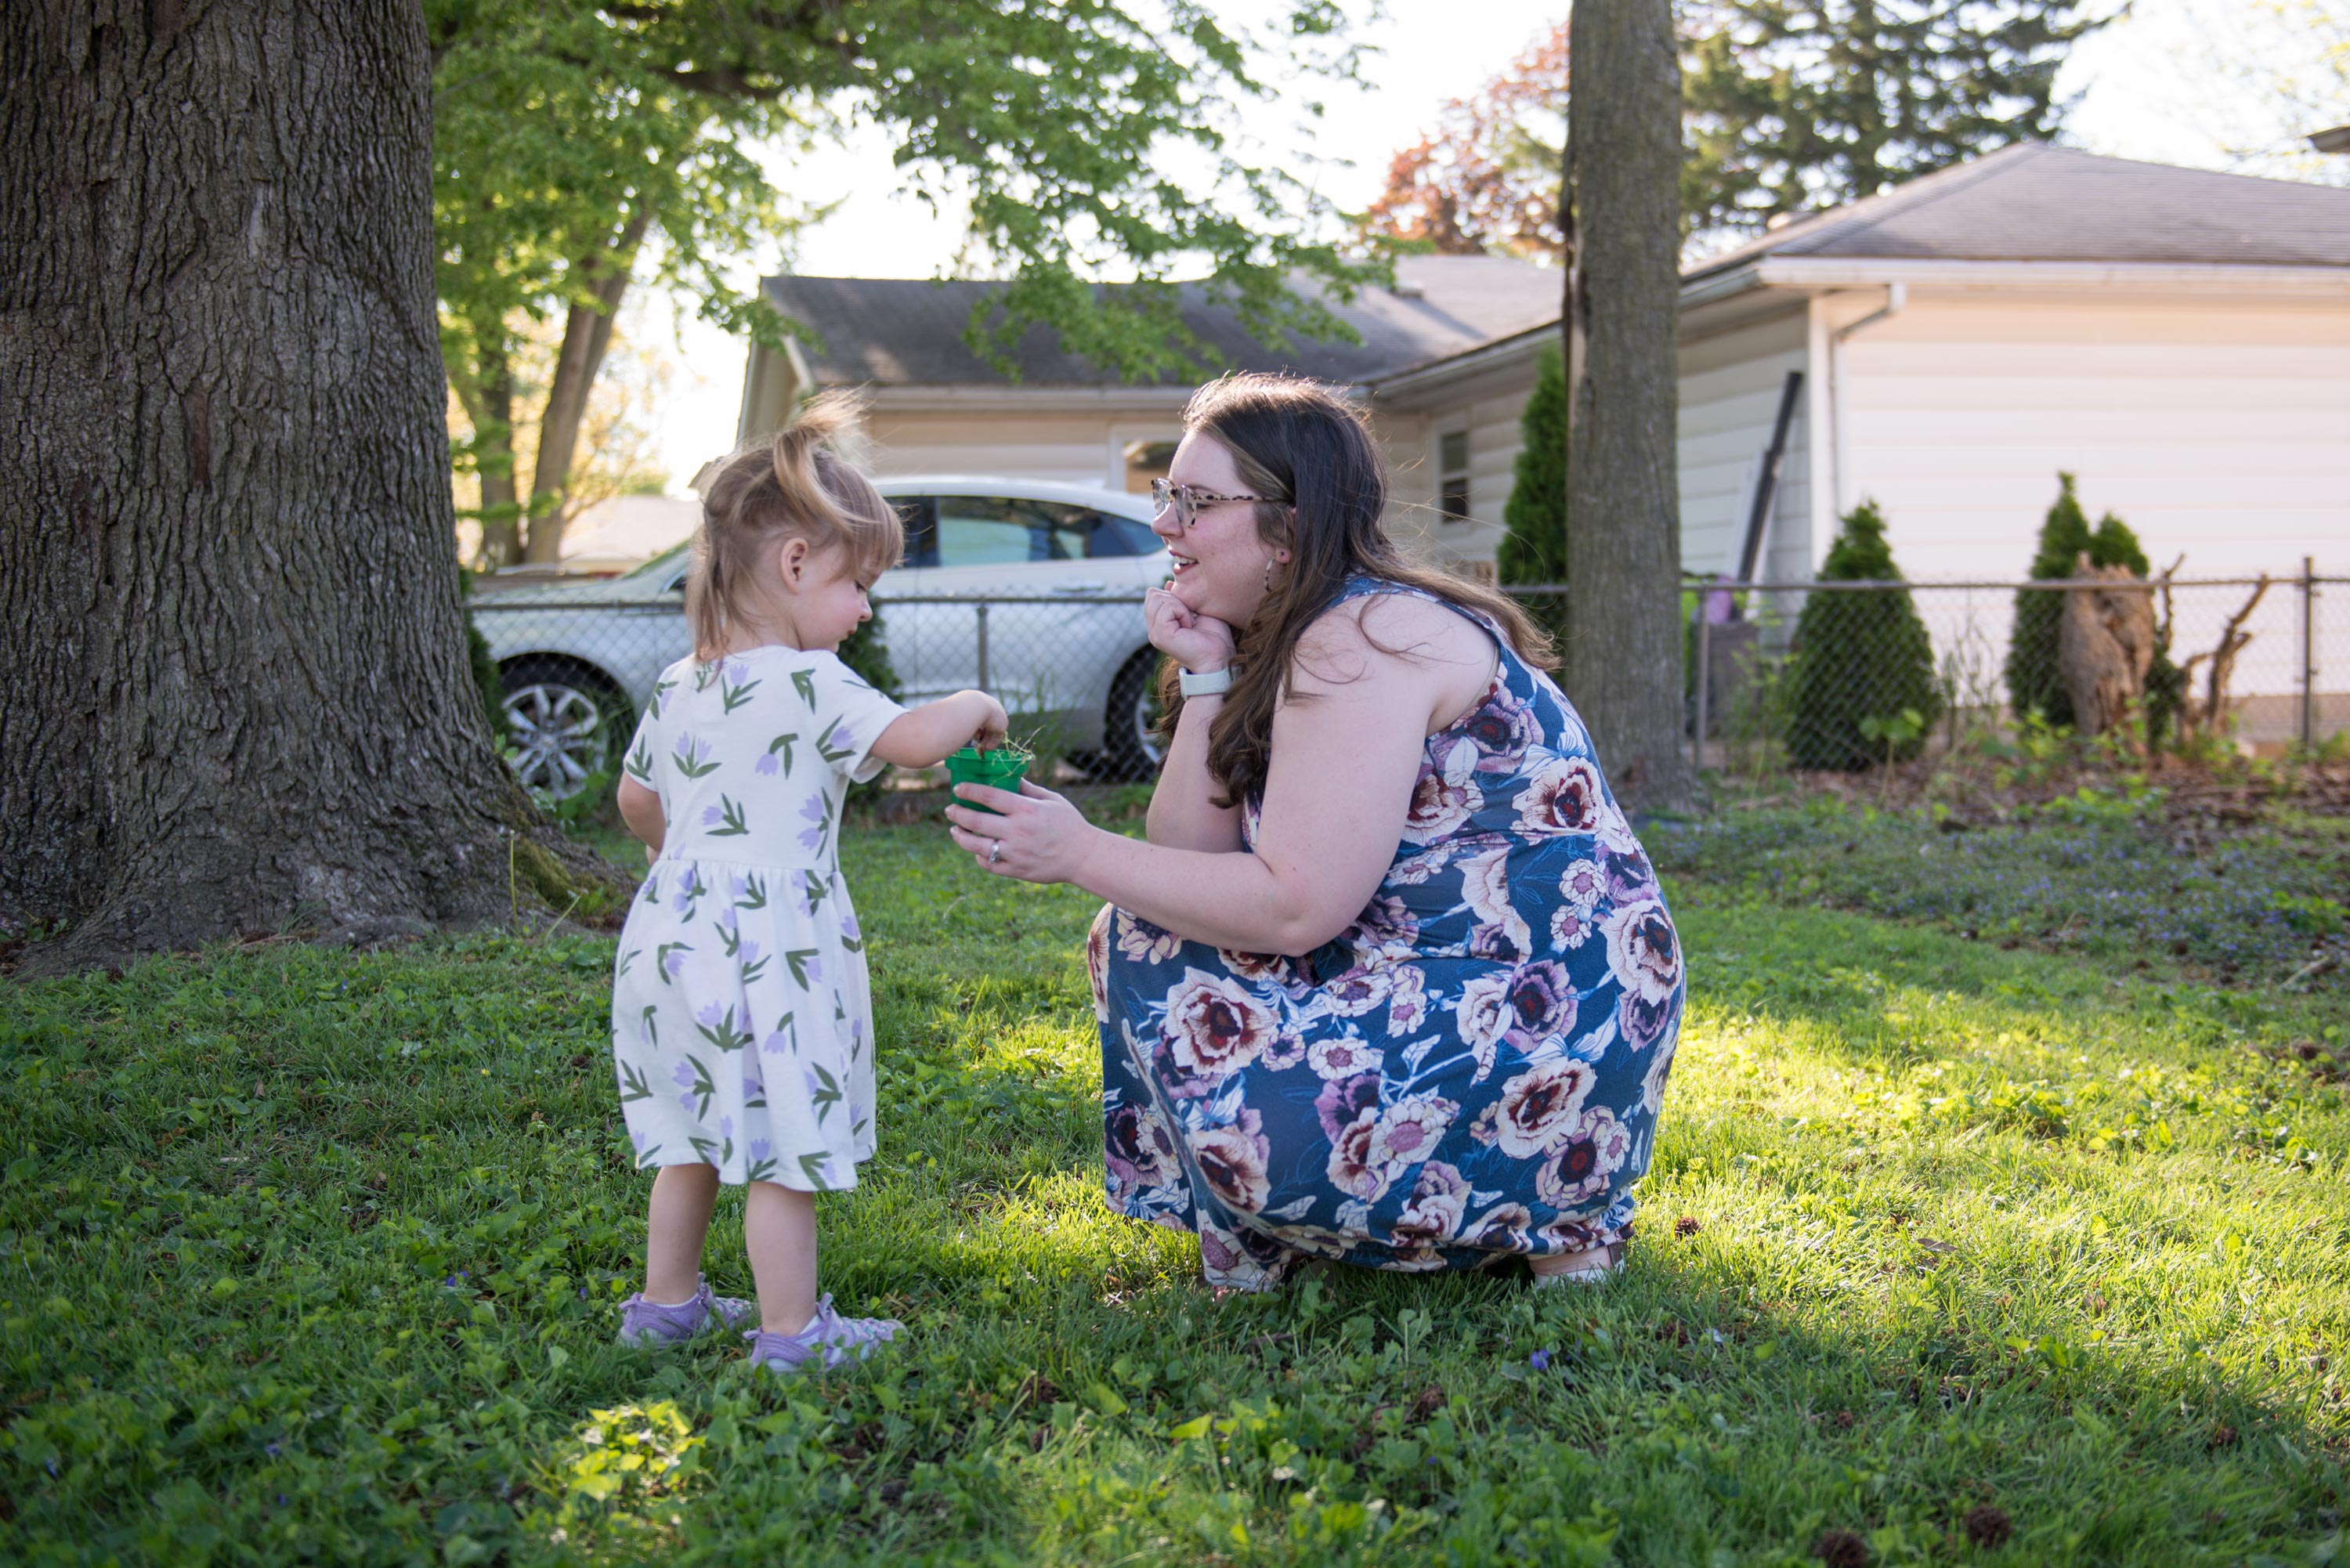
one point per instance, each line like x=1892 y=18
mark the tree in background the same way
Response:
x=1487 y=178
x=1863 y=674
x=580 y=149
x=1533 y=550
x=1801 y=105
x=1623 y=665
x=614 y=454
x=1790 y=105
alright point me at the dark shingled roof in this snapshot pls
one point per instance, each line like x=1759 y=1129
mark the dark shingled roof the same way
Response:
x=2035 y=203
x=893 y=332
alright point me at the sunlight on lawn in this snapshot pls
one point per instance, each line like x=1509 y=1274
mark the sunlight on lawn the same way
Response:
x=1972 y=1253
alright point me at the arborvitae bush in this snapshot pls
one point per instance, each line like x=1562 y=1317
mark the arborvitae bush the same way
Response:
x=1860 y=657
x=2033 y=682
x=1535 y=548
x=2033 y=678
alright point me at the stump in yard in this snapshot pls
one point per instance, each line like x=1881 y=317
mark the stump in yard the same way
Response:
x=2105 y=645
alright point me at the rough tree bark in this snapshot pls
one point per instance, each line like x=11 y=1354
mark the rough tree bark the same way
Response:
x=234 y=691
x=1623 y=653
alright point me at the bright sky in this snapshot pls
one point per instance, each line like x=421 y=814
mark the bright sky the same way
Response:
x=2157 y=86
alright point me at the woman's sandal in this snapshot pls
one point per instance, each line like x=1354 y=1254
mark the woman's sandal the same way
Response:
x=828 y=1340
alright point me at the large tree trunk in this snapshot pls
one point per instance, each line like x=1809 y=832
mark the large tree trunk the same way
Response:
x=1623 y=541
x=234 y=693
x=587 y=337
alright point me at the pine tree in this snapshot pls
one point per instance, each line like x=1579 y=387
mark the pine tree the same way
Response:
x=2033 y=684
x=1535 y=548
x=1799 y=105
x=1863 y=661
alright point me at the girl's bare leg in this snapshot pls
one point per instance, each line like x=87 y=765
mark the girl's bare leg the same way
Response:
x=780 y=1230
x=676 y=1223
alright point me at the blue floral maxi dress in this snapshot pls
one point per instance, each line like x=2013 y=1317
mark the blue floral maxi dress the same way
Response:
x=1473 y=1070
x=742 y=1024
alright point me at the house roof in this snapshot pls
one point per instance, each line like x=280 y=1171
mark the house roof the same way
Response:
x=2035 y=202
x=898 y=332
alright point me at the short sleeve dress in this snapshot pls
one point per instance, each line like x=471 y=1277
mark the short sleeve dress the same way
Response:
x=1470 y=1072
x=742 y=1023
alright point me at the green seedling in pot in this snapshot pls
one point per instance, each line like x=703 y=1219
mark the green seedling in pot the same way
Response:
x=1001 y=768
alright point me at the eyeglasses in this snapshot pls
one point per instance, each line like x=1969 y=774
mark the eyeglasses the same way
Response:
x=1188 y=499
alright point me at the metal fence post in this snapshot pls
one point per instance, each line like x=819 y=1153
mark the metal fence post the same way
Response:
x=2308 y=655
x=1704 y=679
x=982 y=644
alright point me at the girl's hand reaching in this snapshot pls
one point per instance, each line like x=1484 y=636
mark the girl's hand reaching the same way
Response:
x=992 y=723
x=1199 y=643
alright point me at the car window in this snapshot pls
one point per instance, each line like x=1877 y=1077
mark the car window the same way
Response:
x=672 y=561
x=998 y=531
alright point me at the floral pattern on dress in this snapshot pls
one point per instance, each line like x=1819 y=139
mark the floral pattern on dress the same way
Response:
x=742 y=1021
x=1471 y=1071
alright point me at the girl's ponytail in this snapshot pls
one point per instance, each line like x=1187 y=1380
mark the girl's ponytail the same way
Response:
x=795 y=485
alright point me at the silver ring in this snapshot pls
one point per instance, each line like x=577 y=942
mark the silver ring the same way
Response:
x=995 y=851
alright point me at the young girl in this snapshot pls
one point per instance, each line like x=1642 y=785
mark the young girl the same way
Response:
x=741 y=1028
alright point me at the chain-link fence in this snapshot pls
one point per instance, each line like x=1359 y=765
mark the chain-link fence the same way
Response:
x=1814 y=676
x=1849 y=675
x=1074 y=669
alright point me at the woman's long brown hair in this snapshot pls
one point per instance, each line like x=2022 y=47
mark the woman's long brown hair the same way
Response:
x=1299 y=444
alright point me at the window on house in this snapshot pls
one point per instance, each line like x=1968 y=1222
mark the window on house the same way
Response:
x=1452 y=477
x=1147 y=461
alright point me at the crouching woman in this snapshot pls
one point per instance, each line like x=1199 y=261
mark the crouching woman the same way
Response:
x=1391 y=981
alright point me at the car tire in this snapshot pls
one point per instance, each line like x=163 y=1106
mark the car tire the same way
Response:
x=1130 y=748
x=567 y=720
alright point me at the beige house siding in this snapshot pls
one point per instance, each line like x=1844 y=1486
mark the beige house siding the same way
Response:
x=1731 y=385
x=2216 y=429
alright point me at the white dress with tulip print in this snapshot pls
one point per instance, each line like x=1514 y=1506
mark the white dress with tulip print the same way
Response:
x=742 y=1023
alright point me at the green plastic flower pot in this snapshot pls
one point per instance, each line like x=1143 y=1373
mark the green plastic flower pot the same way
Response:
x=1001 y=768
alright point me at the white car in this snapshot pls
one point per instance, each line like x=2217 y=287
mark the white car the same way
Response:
x=1059 y=568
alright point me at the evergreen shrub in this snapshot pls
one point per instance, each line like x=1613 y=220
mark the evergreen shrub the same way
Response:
x=1860 y=659
x=2034 y=682
x=1535 y=548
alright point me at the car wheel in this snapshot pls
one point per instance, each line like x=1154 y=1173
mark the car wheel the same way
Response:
x=567 y=721
x=1130 y=743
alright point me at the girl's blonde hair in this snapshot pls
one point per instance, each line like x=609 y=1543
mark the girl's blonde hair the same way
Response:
x=792 y=485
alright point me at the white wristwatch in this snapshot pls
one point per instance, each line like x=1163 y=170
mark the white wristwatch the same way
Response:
x=1214 y=683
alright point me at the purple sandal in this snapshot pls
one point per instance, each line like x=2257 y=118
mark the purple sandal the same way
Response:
x=828 y=1340
x=649 y=1322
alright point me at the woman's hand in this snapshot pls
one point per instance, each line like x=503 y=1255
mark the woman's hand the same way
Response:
x=1199 y=643
x=1039 y=837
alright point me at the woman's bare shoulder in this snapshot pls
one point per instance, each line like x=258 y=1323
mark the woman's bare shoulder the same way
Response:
x=1386 y=633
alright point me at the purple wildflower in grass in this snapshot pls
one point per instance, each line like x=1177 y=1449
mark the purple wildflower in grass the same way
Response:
x=1539 y=1361
x=273 y=1450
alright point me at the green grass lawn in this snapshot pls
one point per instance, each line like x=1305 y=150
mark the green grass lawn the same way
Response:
x=313 y=1256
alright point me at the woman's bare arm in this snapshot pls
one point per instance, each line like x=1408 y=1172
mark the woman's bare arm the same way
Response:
x=1183 y=810
x=1346 y=747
